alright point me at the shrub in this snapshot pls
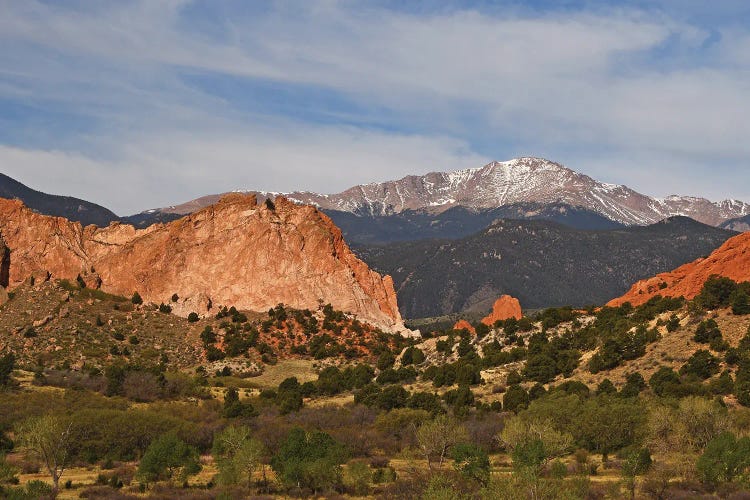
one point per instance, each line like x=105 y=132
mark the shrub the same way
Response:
x=412 y=356
x=716 y=292
x=515 y=398
x=309 y=460
x=664 y=381
x=606 y=387
x=471 y=461
x=513 y=378
x=193 y=317
x=168 y=457
x=701 y=364
x=707 y=332
x=234 y=408
x=481 y=330
x=673 y=324
x=724 y=458
x=634 y=384
x=357 y=477
x=136 y=299
x=740 y=302
x=7 y=364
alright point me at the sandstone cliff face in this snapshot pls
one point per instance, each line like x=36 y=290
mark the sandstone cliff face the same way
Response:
x=505 y=307
x=235 y=252
x=462 y=324
x=731 y=260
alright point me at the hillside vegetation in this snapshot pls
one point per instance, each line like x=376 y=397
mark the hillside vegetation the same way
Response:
x=649 y=401
x=541 y=263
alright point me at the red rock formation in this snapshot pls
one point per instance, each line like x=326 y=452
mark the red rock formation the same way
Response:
x=235 y=252
x=731 y=260
x=462 y=324
x=505 y=307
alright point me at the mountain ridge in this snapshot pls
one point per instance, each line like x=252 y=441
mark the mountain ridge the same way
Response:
x=541 y=263
x=71 y=208
x=525 y=179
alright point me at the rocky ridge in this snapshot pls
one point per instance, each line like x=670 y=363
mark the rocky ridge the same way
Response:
x=235 y=252
x=731 y=260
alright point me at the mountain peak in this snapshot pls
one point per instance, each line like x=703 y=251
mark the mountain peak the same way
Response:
x=527 y=179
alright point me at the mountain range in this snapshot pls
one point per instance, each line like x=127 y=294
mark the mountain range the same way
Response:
x=455 y=241
x=740 y=224
x=525 y=188
x=71 y=208
x=541 y=263
x=499 y=184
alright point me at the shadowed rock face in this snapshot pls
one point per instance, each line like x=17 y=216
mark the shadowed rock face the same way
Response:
x=731 y=260
x=4 y=264
x=235 y=252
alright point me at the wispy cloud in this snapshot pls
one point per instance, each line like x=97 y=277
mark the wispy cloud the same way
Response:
x=177 y=98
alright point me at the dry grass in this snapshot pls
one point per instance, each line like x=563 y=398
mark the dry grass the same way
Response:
x=273 y=375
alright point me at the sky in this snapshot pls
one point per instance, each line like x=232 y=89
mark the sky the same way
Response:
x=135 y=104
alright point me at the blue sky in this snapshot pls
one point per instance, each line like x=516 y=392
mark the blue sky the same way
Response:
x=142 y=103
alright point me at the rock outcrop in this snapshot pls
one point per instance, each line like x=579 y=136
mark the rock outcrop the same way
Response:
x=731 y=260
x=462 y=324
x=505 y=307
x=235 y=252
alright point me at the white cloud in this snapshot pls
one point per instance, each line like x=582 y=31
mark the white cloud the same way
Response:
x=169 y=170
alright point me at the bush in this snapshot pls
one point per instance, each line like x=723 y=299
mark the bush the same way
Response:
x=193 y=317
x=716 y=292
x=606 y=387
x=357 y=477
x=7 y=364
x=673 y=324
x=513 y=378
x=740 y=302
x=136 y=299
x=707 y=332
x=412 y=356
x=515 y=398
x=309 y=460
x=724 y=458
x=701 y=364
x=664 y=381
x=168 y=457
x=234 y=408
x=471 y=461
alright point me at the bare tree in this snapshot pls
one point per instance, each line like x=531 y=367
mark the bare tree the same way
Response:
x=49 y=438
x=437 y=436
x=237 y=455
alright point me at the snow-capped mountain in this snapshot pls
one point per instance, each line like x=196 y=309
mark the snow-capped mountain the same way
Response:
x=516 y=181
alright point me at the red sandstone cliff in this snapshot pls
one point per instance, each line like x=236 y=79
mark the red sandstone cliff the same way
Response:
x=731 y=260
x=235 y=252
x=462 y=324
x=505 y=307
